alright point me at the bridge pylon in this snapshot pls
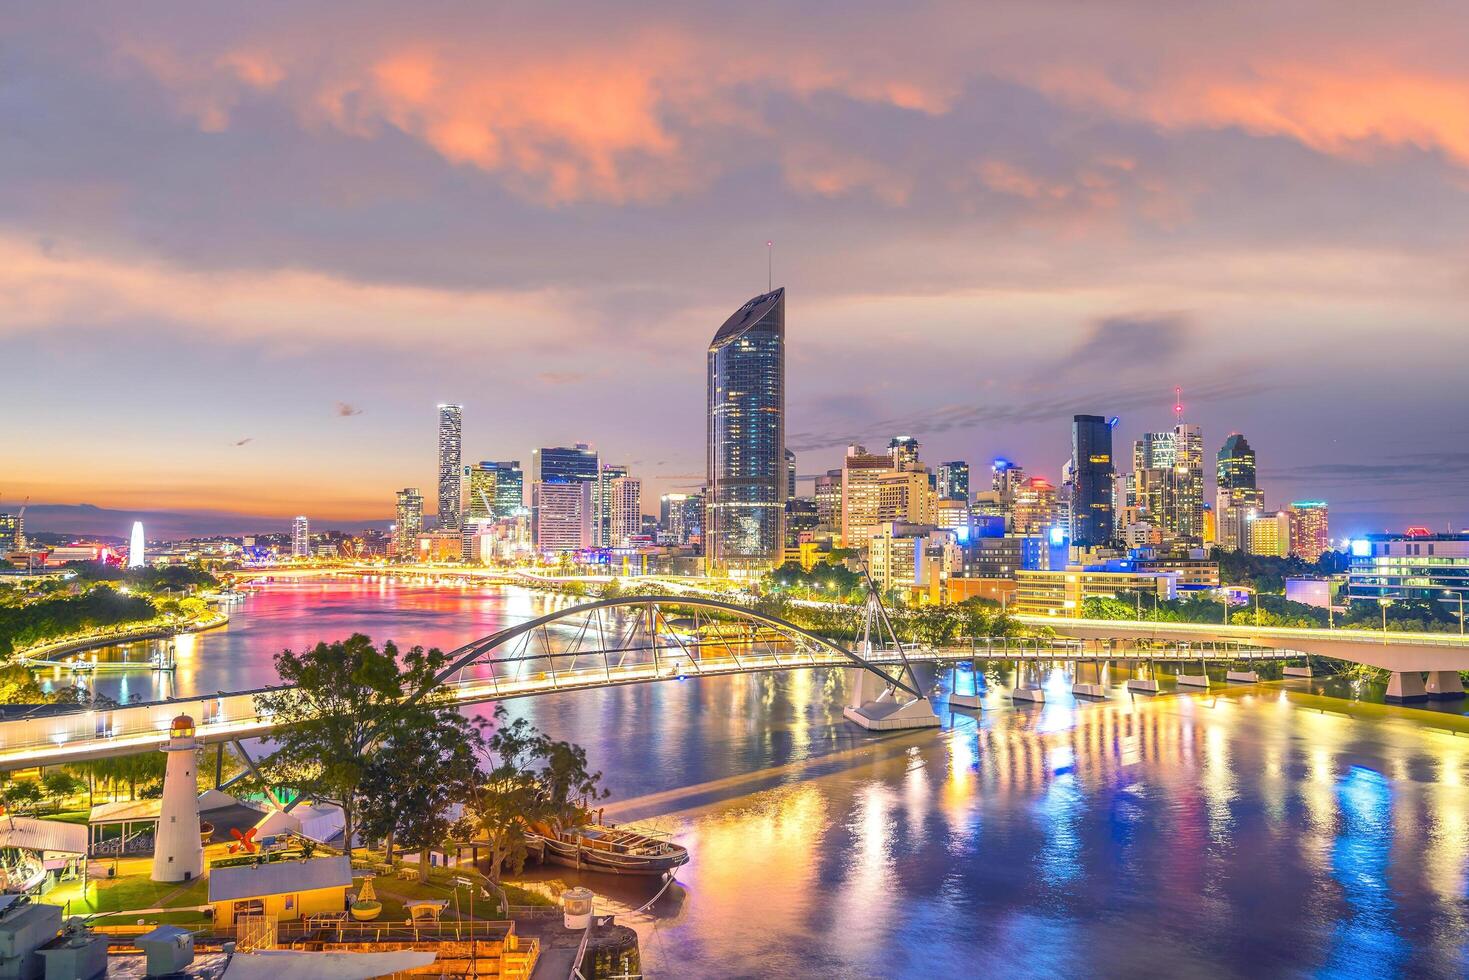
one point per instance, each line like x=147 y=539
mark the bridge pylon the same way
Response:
x=875 y=704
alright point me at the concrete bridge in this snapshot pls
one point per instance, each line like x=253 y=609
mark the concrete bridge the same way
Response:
x=614 y=642
x=1423 y=665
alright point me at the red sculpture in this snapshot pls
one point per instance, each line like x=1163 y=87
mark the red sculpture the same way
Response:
x=243 y=842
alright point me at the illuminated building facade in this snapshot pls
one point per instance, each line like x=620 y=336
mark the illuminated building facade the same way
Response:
x=625 y=511
x=828 y=495
x=562 y=516
x=1188 y=481
x=300 y=538
x=862 y=473
x=1091 y=494
x=801 y=519
x=1237 y=492
x=605 y=506
x=408 y=523
x=681 y=515
x=953 y=480
x=747 y=470
x=1309 y=536
x=496 y=489
x=1410 y=566
x=905 y=495
x=563 y=463
x=1269 y=534
x=137 y=547
x=451 y=466
x=1063 y=593
x=12 y=533
x=912 y=559
x=1033 y=506
x=790 y=474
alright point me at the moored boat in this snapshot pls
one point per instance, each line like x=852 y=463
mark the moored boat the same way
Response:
x=608 y=848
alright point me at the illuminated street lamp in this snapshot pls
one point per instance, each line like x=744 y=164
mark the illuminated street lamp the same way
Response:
x=1460 y=593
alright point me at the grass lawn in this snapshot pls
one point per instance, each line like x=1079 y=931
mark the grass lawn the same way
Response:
x=393 y=892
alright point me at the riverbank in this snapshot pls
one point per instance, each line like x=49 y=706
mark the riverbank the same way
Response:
x=43 y=655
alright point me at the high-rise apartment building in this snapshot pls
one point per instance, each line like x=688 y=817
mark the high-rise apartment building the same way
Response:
x=300 y=538
x=953 y=480
x=408 y=524
x=681 y=516
x=562 y=515
x=862 y=473
x=746 y=437
x=790 y=474
x=451 y=466
x=1033 y=506
x=904 y=452
x=1091 y=494
x=496 y=489
x=609 y=474
x=625 y=507
x=1309 y=535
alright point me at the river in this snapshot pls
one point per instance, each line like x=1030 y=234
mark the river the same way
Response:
x=1243 y=832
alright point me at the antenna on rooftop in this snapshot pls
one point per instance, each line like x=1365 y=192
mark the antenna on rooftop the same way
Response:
x=769 y=266
x=1178 y=404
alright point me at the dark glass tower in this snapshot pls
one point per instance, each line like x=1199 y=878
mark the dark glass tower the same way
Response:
x=1091 y=501
x=1235 y=472
x=747 y=465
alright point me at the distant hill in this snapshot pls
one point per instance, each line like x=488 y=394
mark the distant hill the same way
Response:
x=87 y=519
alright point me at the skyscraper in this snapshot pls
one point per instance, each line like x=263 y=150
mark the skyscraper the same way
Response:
x=408 y=524
x=606 y=507
x=681 y=516
x=578 y=462
x=1188 y=480
x=625 y=511
x=300 y=538
x=1237 y=494
x=790 y=474
x=861 y=494
x=12 y=533
x=451 y=473
x=954 y=480
x=1091 y=495
x=746 y=428
x=904 y=452
x=137 y=545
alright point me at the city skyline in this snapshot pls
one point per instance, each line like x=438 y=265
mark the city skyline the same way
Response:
x=1070 y=221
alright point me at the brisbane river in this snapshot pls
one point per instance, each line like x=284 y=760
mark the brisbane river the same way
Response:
x=1234 y=833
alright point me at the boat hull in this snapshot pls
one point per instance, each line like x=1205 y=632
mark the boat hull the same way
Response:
x=575 y=854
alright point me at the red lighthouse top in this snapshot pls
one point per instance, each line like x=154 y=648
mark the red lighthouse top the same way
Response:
x=182 y=727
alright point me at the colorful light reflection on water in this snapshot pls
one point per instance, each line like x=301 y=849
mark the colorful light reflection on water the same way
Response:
x=1207 y=835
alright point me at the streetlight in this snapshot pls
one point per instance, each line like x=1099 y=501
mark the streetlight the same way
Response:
x=1460 y=593
x=1382 y=603
x=1224 y=596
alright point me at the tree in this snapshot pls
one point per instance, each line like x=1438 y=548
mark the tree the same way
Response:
x=58 y=784
x=340 y=700
x=23 y=794
x=534 y=781
x=428 y=763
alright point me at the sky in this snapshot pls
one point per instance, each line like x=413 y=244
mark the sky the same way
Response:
x=246 y=249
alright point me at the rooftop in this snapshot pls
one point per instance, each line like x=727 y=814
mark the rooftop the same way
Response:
x=279 y=877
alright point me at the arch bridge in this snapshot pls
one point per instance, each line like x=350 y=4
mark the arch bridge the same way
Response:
x=608 y=643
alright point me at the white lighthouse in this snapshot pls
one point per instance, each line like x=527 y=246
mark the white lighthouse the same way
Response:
x=178 y=851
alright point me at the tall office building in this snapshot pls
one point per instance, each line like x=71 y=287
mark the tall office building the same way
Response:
x=625 y=511
x=496 y=489
x=1188 y=480
x=1309 y=536
x=746 y=429
x=801 y=518
x=862 y=473
x=1091 y=494
x=300 y=538
x=1269 y=534
x=607 y=475
x=953 y=480
x=408 y=524
x=451 y=463
x=1237 y=494
x=681 y=516
x=790 y=474
x=904 y=452
x=1033 y=506
x=553 y=464
x=562 y=515
x=828 y=493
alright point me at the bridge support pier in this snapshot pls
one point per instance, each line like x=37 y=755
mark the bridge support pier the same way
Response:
x=1089 y=686
x=972 y=698
x=1027 y=688
x=1243 y=676
x=1201 y=679
x=1406 y=685
x=876 y=707
x=1444 y=685
x=1304 y=670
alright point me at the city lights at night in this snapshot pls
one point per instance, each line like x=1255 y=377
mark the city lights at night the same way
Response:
x=1054 y=564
